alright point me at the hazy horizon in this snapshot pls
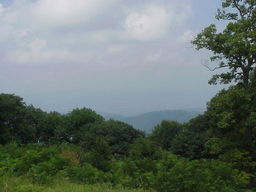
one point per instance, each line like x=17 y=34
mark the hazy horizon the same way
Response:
x=114 y=56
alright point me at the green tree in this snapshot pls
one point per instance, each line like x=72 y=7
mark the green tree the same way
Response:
x=180 y=175
x=231 y=113
x=118 y=135
x=232 y=126
x=234 y=47
x=100 y=155
x=188 y=144
x=190 y=140
x=144 y=148
x=36 y=118
x=77 y=120
x=54 y=129
x=164 y=133
x=14 y=123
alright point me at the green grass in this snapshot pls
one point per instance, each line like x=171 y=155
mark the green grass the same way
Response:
x=21 y=184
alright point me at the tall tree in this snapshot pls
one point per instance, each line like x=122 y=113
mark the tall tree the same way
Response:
x=14 y=120
x=118 y=135
x=77 y=119
x=164 y=133
x=234 y=47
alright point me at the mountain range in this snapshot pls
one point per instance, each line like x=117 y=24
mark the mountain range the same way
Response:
x=147 y=121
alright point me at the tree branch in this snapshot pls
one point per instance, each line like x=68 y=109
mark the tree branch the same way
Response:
x=215 y=68
x=238 y=8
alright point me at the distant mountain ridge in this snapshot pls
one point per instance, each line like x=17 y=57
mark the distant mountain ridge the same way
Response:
x=147 y=121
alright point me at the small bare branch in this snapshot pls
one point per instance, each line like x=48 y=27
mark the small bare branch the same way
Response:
x=207 y=65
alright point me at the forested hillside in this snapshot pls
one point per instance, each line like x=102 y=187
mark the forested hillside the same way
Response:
x=80 y=150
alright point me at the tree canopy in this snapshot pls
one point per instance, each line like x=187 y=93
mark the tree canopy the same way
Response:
x=234 y=47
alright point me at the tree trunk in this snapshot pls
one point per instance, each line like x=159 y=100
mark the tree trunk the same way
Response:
x=246 y=73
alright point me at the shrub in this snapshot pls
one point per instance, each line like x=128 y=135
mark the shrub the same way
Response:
x=179 y=175
x=42 y=172
x=85 y=174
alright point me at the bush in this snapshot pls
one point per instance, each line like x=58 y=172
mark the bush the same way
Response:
x=85 y=174
x=179 y=175
x=41 y=159
x=129 y=173
x=42 y=172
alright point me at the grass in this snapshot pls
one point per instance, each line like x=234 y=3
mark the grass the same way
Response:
x=21 y=184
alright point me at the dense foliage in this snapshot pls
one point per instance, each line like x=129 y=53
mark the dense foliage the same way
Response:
x=234 y=47
x=213 y=152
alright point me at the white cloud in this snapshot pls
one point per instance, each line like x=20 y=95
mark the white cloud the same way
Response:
x=66 y=12
x=156 y=20
x=1 y=8
x=37 y=44
x=183 y=12
x=116 y=49
x=102 y=36
x=37 y=52
x=149 y=24
x=27 y=18
x=186 y=36
x=153 y=57
x=47 y=31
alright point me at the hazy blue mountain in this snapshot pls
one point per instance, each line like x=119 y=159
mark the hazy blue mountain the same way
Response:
x=148 y=121
x=114 y=116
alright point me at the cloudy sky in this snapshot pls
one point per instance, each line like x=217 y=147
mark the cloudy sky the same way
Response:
x=118 y=56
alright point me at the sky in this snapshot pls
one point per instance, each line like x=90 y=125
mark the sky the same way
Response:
x=116 y=56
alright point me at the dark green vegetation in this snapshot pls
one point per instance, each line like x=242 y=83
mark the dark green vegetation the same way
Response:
x=214 y=152
x=147 y=121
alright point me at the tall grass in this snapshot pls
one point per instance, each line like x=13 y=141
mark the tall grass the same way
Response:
x=22 y=184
